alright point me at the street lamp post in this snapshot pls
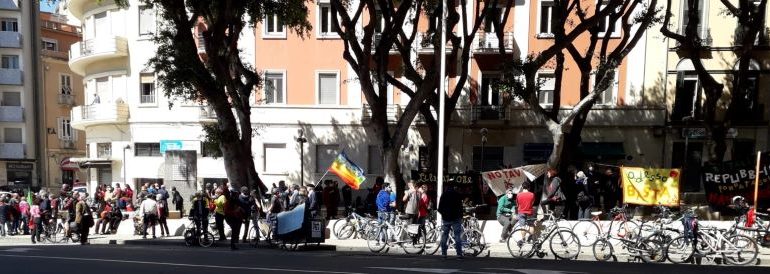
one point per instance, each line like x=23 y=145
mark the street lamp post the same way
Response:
x=483 y=143
x=301 y=140
x=125 y=179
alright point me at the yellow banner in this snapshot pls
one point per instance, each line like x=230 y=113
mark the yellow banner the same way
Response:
x=650 y=186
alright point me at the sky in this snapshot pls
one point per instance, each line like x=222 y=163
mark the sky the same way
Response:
x=47 y=6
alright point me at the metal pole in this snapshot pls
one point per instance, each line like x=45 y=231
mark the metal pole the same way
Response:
x=756 y=179
x=301 y=140
x=442 y=108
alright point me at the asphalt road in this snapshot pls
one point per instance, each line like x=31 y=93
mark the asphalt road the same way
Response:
x=179 y=259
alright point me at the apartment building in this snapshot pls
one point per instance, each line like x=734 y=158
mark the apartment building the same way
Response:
x=19 y=100
x=62 y=90
x=670 y=78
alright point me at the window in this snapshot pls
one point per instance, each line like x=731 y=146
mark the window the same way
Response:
x=547 y=83
x=490 y=94
x=375 y=160
x=492 y=158
x=547 y=17
x=65 y=84
x=101 y=25
x=147 y=85
x=146 y=20
x=379 y=23
x=147 y=149
x=327 y=89
x=604 y=27
x=11 y=98
x=274 y=88
x=102 y=90
x=210 y=149
x=274 y=26
x=701 y=16
x=65 y=129
x=493 y=15
x=609 y=96
x=50 y=44
x=687 y=98
x=104 y=150
x=324 y=156
x=9 y=24
x=10 y=61
x=275 y=158
x=12 y=135
x=104 y=175
x=326 y=22
x=745 y=102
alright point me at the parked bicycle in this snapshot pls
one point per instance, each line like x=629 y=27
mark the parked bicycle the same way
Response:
x=527 y=241
x=354 y=225
x=397 y=234
x=194 y=236
x=473 y=241
x=590 y=230
x=712 y=244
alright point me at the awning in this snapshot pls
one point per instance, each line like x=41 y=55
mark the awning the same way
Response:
x=91 y=163
x=603 y=150
x=67 y=164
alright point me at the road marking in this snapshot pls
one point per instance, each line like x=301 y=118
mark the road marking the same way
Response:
x=536 y=271
x=175 y=264
x=415 y=269
x=19 y=249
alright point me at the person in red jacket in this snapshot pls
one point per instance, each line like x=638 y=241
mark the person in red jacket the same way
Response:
x=525 y=201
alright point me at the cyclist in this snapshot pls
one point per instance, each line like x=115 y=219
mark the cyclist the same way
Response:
x=385 y=205
x=200 y=211
x=524 y=205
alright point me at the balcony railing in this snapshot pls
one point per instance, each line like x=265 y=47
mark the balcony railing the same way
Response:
x=705 y=40
x=489 y=42
x=147 y=99
x=96 y=49
x=11 y=151
x=10 y=39
x=393 y=113
x=11 y=114
x=56 y=54
x=66 y=143
x=489 y=113
x=425 y=42
x=11 y=77
x=376 y=42
x=66 y=99
x=96 y=114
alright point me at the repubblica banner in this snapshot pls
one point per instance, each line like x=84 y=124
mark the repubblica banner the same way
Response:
x=736 y=178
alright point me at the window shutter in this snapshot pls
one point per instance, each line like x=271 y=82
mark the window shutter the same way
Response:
x=677 y=111
x=327 y=89
x=60 y=123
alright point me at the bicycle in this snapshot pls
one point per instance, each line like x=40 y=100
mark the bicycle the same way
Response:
x=353 y=225
x=590 y=230
x=527 y=241
x=262 y=230
x=712 y=244
x=193 y=236
x=407 y=236
x=473 y=241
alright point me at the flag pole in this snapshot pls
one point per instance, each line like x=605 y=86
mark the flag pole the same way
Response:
x=322 y=177
x=756 y=179
x=442 y=107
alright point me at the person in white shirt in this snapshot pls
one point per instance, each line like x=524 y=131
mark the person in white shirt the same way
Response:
x=149 y=210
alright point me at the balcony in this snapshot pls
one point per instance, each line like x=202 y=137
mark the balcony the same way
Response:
x=67 y=99
x=11 y=151
x=376 y=42
x=11 y=114
x=393 y=113
x=207 y=114
x=78 y=7
x=99 y=114
x=61 y=55
x=66 y=144
x=425 y=43
x=489 y=113
x=519 y=115
x=488 y=43
x=11 y=77
x=9 y=4
x=87 y=52
x=10 y=39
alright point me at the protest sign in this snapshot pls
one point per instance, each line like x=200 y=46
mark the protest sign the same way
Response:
x=736 y=178
x=500 y=180
x=650 y=186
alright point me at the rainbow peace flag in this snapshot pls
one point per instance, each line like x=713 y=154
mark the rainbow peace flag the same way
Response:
x=349 y=172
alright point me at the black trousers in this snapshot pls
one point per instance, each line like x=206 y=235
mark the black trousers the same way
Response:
x=83 y=233
x=235 y=225
x=219 y=219
x=149 y=219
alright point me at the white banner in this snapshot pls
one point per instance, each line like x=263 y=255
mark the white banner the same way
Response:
x=500 y=180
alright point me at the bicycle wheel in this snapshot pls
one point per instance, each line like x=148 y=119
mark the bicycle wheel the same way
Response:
x=521 y=243
x=206 y=239
x=680 y=249
x=377 y=241
x=587 y=232
x=346 y=231
x=415 y=243
x=432 y=239
x=627 y=229
x=603 y=250
x=740 y=250
x=564 y=244
x=473 y=242
x=189 y=237
x=652 y=249
x=337 y=226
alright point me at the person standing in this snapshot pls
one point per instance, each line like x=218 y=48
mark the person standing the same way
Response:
x=234 y=216
x=200 y=211
x=504 y=212
x=83 y=218
x=4 y=208
x=450 y=206
x=36 y=224
x=246 y=202
x=584 y=199
x=162 y=215
x=312 y=201
x=149 y=210
x=178 y=201
x=331 y=199
x=610 y=190
x=411 y=200
x=553 y=197
x=24 y=212
x=347 y=198
x=219 y=213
